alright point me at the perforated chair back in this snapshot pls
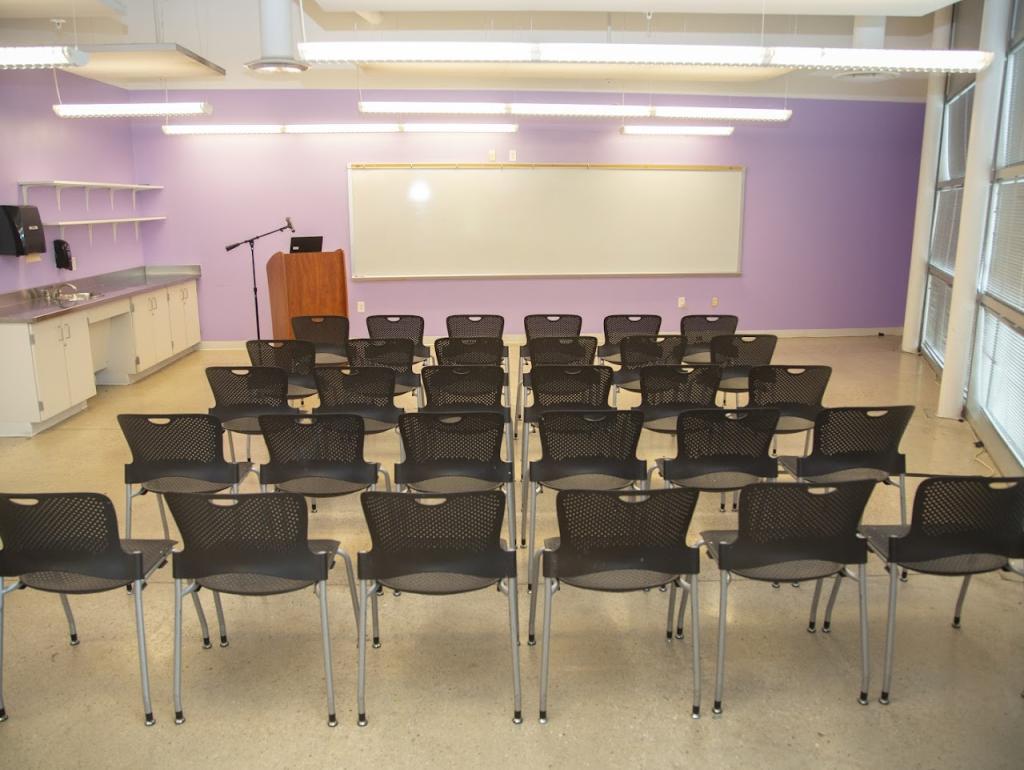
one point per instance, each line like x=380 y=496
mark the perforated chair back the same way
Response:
x=359 y=386
x=782 y=524
x=788 y=387
x=652 y=350
x=683 y=387
x=73 y=533
x=395 y=327
x=618 y=327
x=430 y=437
x=537 y=326
x=610 y=436
x=563 y=351
x=743 y=350
x=396 y=354
x=699 y=330
x=261 y=534
x=857 y=437
x=317 y=438
x=725 y=434
x=173 y=438
x=247 y=386
x=475 y=326
x=460 y=387
x=295 y=357
x=571 y=387
x=327 y=332
x=466 y=351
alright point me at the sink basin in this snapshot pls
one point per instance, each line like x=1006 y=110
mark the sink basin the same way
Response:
x=78 y=296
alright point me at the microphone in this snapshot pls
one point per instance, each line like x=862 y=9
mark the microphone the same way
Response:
x=288 y=224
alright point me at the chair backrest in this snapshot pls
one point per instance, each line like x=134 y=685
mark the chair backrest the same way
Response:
x=475 y=326
x=358 y=386
x=618 y=327
x=788 y=385
x=867 y=434
x=469 y=351
x=294 y=356
x=685 y=385
x=192 y=438
x=455 y=386
x=652 y=350
x=596 y=521
x=563 y=351
x=699 y=330
x=327 y=329
x=705 y=434
x=964 y=515
x=63 y=532
x=430 y=437
x=783 y=522
x=743 y=349
x=537 y=326
x=262 y=534
x=584 y=387
x=395 y=353
x=303 y=438
x=590 y=435
x=395 y=327
x=248 y=385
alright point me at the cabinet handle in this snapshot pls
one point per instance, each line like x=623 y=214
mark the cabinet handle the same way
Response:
x=61 y=327
x=68 y=327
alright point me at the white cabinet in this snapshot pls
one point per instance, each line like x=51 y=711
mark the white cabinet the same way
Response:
x=191 y=308
x=62 y=363
x=184 y=315
x=151 y=325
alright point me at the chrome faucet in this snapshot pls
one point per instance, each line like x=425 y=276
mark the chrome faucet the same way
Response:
x=67 y=285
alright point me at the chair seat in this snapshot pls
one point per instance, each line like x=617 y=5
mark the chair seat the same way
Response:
x=300 y=391
x=593 y=481
x=195 y=486
x=329 y=358
x=698 y=354
x=612 y=358
x=154 y=552
x=790 y=465
x=437 y=583
x=251 y=584
x=960 y=564
x=734 y=383
x=245 y=419
x=724 y=481
x=448 y=484
x=793 y=424
x=781 y=572
x=318 y=486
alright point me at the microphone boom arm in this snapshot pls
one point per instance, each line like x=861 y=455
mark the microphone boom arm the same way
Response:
x=255 y=238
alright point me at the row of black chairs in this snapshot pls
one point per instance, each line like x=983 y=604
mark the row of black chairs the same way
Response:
x=258 y=545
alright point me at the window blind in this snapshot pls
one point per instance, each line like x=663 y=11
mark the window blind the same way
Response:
x=946 y=228
x=1011 y=134
x=1005 y=280
x=956 y=128
x=999 y=356
x=936 y=318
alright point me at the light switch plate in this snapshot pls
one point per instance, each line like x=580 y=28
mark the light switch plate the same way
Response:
x=360 y=307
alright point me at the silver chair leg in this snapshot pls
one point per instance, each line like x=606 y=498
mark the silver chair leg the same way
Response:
x=903 y=499
x=826 y=627
x=807 y=441
x=3 y=711
x=550 y=589
x=735 y=499
x=140 y=633
x=325 y=632
x=671 y=610
x=890 y=633
x=127 y=511
x=720 y=664
x=202 y=618
x=695 y=639
x=401 y=445
x=366 y=588
x=221 y=625
x=229 y=438
x=163 y=516
x=615 y=396
x=513 y=627
x=510 y=445
x=721 y=502
x=865 y=652
x=532 y=577
x=960 y=601
x=524 y=464
x=72 y=631
x=248 y=447
x=350 y=575
x=533 y=524
x=510 y=506
x=682 y=610
x=812 y=622
x=376 y=618
x=179 y=714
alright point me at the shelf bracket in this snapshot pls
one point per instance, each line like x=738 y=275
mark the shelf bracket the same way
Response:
x=111 y=198
x=58 y=200
x=90 y=235
x=24 y=195
x=114 y=227
x=136 y=231
x=133 y=199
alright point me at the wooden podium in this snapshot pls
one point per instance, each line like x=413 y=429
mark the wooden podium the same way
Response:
x=305 y=283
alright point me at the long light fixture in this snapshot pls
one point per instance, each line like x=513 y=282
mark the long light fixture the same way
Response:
x=576 y=110
x=132 y=110
x=793 y=57
x=341 y=128
x=41 y=56
x=678 y=130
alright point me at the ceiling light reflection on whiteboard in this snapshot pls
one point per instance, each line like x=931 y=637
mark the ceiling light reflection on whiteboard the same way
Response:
x=419 y=192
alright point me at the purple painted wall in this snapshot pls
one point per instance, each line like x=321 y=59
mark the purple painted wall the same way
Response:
x=37 y=145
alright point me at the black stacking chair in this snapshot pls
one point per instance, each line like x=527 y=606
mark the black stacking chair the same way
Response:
x=621 y=541
x=465 y=389
x=561 y=388
x=699 y=330
x=476 y=327
x=328 y=333
x=248 y=545
x=795 y=391
x=175 y=453
x=618 y=327
x=961 y=526
x=555 y=351
x=435 y=545
x=241 y=394
x=853 y=443
x=721 y=450
x=584 y=450
x=737 y=354
x=665 y=391
x=396 y=354
x=468 y=351
x=790 y=533
x=68 y=544
x=399 y=327
x=455 y=452
x=366 y=391
x=537 y=326
x=297 y=359
x=640 y=352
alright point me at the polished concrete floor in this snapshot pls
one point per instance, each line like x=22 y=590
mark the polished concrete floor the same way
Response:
x=439 y=689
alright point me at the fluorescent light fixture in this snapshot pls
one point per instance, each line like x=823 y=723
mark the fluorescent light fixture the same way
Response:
x=576 y=110
x=678 y=130
x=812 y=58
x=41 y=56
x=277 y=64
x=459 y=128
x=132 y=110
x=212 y=129
x=341 y=128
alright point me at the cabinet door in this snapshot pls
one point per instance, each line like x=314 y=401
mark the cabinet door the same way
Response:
x=176 y=311
x=50 y=368
x=143 y=330
x=191 y=312
x=78 y=358
x=162 y=346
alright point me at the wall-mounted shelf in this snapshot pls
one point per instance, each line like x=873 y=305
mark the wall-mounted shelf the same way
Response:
x=64 y=184
x=113 y=222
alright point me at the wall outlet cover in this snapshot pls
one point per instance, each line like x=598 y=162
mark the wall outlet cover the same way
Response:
x=360 y=307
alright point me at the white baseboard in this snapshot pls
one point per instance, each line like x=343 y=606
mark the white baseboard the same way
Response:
x=222 y=345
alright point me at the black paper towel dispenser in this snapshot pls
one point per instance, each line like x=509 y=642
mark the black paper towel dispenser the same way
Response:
x=21 y=231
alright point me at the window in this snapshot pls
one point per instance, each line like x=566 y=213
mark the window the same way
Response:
x=956 y=129
x=1005 y=279
x=946 y=228
x=966 y=36
x=999 y=378
x=936 y=318
x=1011 y=128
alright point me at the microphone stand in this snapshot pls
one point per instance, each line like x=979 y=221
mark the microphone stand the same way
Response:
x=252 y=260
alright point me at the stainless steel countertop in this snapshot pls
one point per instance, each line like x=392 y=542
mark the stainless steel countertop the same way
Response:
x=30 y=306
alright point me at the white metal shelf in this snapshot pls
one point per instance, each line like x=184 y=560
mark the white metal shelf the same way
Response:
x=113 y=222
x=65 y=184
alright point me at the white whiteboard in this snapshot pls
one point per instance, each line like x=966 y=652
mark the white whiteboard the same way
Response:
x=445 y=221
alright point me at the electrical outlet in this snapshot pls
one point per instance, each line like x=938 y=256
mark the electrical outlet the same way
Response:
x=681 y=302
x=714 y=302
x=492 y=155
x=512 y=156
x=360 y=307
